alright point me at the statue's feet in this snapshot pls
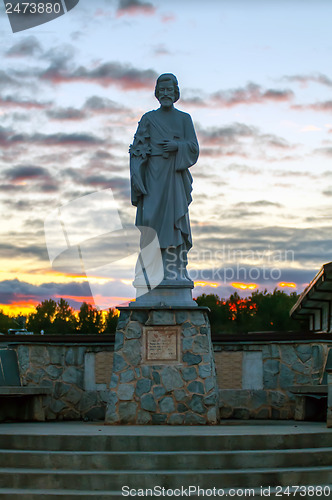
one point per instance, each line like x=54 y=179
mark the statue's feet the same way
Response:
x=176 y=275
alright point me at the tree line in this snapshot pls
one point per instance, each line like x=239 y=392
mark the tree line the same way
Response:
x=53 y=317
x=261 y=311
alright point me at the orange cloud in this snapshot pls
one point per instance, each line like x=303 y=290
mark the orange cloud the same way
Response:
x=244 y=286
x=20 y=307
x=10 y=102
x=206 y=283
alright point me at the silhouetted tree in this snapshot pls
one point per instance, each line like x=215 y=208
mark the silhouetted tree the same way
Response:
x=273 y=311
x=111 y=320
x=64 y=321
x=6 y=322
x=90 y=320
x=262 y=311
x=43 y=318
x=219 y=311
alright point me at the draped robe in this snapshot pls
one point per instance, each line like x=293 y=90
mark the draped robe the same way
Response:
x=161 y=183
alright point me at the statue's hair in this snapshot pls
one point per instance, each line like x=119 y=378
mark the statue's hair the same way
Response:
x=168 y=77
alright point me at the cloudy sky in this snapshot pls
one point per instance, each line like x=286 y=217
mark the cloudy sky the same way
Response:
x=255 y=77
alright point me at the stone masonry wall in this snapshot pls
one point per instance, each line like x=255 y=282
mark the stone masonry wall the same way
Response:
x=76 y=395
x=284 y=364
x=64 y=369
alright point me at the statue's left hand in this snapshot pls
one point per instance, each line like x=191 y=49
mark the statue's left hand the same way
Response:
x=169 y=146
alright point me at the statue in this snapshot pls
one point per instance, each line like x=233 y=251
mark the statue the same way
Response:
x=151 y=336
x=164 y=148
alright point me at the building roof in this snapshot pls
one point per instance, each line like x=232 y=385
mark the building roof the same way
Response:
x=316 y=296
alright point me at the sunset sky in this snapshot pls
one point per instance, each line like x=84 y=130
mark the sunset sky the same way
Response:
x=256 y=78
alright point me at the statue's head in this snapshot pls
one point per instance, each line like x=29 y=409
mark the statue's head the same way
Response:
x=170 y=80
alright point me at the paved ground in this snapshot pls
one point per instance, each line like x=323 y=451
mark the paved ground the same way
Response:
x=227 y=428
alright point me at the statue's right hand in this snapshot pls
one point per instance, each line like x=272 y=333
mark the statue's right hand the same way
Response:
x=169 y=146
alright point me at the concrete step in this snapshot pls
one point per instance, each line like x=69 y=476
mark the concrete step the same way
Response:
x=33 y=494
x=163 y=460
x=176 y=442
x=115 y=480
x=83 y=461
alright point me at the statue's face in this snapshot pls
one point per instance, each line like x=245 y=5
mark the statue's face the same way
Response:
x=166 y=94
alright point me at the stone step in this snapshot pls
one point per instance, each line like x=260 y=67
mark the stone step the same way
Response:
x=43 y=494
x=169 y=442
x=33 y=494
x=81 y=461
x=164 y=460
x=115 y=480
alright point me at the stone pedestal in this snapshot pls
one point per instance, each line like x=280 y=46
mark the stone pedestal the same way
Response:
x=168 y=293
x=163 y=368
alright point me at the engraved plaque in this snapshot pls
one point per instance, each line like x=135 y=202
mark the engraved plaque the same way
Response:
x=161 y=344
x=103 y=367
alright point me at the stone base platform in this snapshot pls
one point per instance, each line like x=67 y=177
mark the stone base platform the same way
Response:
x=163 y=368
x=168 y=293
